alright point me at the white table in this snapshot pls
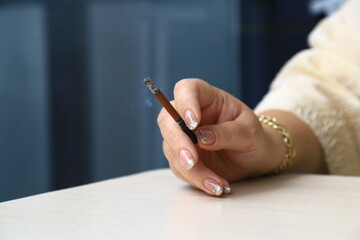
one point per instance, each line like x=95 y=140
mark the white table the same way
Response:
x=156 y=205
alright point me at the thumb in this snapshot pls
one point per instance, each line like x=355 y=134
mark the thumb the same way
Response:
x=237 y=135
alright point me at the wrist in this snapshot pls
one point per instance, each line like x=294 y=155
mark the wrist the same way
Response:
x=309 y=154
x=283 y=151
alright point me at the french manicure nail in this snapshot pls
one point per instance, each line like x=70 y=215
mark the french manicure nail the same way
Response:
x=191 y=120
x=213 y=186
x=207 y=137
x=186 y=159
x=227 y=189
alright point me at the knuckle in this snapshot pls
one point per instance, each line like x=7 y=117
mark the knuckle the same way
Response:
x=180 y=87
x=187 y=82
x=170 y=132
x=226 y=134
x=167 y=152
x=253 y=129
x=251 y=132
x=170 y=156
x=177 y=140
x=180 y=84
x=239 y=131
x=160 y=118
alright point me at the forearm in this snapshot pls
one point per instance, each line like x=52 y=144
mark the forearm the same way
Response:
x=309 y=153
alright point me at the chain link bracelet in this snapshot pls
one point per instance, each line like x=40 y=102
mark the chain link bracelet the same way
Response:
x=290 y=150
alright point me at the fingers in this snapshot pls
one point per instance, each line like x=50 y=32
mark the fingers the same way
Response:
x=238 y=135
x=181 y=144
x=226 y=124
x=184 y=159
x=190 y=96
x=199 y=176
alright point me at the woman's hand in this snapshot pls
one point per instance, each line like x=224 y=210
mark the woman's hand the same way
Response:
x=233 y=144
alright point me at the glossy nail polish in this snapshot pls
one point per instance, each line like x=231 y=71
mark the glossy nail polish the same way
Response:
x=213 y=186
x=207 y=137
x=227 y=189
x=191 y=120
x=186 y=159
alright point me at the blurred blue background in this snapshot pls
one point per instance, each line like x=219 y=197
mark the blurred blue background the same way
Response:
x=73 y=108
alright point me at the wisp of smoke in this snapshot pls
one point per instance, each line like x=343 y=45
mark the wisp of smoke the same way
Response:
x=148 y=102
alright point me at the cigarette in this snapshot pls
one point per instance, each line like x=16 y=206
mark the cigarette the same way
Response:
x=169 y=108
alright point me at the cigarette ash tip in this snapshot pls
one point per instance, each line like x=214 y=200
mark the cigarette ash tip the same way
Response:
x=151 y=85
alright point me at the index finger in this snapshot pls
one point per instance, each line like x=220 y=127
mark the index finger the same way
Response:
x=190 y=96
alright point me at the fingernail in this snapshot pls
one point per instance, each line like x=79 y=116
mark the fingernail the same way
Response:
x=191 y=120
x=207 y=137
x=213 y=186
x=186 y=159
x=227 y=189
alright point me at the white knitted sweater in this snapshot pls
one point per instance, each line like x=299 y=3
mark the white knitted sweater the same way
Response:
x=321 y=85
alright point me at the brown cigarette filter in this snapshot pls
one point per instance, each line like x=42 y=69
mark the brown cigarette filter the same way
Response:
x=169 y=108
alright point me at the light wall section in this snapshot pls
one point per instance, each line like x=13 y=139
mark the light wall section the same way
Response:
x=24 y=141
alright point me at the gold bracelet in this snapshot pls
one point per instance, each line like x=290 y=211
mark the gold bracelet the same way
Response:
x=290 y=150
